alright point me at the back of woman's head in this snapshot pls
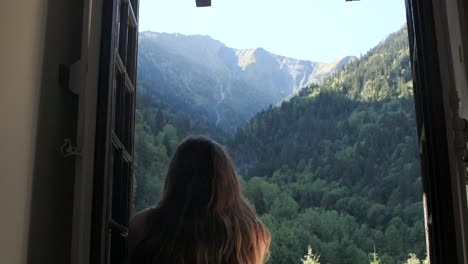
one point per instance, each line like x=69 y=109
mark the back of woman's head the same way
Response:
x=200 y=175
x=202 y=217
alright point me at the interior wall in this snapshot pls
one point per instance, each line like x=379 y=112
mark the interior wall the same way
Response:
x=38 y=114
x=456 y=45
x=22 y=26
x=463 y=15
x=458 y=38
x=50 y=234
x=455 y=96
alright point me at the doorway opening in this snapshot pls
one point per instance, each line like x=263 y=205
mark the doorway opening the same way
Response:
x=327 y=151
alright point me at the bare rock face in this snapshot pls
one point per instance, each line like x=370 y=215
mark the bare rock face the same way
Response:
x=202 y=77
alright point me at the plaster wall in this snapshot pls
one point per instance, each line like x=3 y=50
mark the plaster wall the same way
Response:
x=451 y=51
x=22 y=25
x=38 y=114
x=51 y=215
x=458 y=35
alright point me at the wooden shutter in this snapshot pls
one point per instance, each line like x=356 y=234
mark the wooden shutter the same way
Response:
x=431 y=124
x=114 y=157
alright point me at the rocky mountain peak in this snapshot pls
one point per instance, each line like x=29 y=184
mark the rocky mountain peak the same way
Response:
x=204 y=72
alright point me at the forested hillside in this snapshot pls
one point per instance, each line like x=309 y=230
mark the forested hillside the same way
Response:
x=335 y=167
x=349 y=169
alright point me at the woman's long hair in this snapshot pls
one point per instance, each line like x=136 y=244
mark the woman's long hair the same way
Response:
x=202 y=216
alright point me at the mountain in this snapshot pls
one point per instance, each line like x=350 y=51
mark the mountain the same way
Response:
x=207 y=80
x=382 y=74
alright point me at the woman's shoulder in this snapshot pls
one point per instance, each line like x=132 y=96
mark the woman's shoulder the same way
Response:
x=138 y=227
x=141 y=218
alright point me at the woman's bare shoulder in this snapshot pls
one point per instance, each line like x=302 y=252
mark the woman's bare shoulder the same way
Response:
x=139 y=220
x=138 y=228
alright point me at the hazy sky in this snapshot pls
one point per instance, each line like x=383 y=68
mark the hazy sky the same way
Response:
x=318 y=30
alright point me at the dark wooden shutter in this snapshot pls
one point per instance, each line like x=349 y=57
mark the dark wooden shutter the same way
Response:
x=114 y=158
x=434 y=156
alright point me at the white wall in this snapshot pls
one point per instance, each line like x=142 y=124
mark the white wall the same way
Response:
x=459 y=64
x=455 y=95
x=22 y=27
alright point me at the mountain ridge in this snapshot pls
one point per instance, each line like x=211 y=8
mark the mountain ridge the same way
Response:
x=225 y=86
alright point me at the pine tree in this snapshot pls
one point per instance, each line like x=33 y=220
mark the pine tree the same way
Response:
x=426 y=260
x=413 y=259
x=310 y=258
x=375 y=258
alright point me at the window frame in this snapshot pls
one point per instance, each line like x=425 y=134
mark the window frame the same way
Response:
x=439 y=164
x=114 y=147
x=430 y=112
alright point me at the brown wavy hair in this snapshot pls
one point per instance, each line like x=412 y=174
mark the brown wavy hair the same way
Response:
x=202 y=216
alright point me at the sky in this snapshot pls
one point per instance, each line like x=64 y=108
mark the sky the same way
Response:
x=317 y=30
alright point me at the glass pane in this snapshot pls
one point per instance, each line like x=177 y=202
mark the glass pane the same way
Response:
x=119 y=101
x=131 y=52
x=122 y=39
x=127 y=119
x=118 y=186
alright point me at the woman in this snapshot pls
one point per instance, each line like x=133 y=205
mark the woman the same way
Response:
x=202 y=216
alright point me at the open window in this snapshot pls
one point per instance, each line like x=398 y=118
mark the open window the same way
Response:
x=114 y=153
x=114 y=132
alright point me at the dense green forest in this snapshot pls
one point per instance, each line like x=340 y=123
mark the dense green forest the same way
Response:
x=335 y=167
